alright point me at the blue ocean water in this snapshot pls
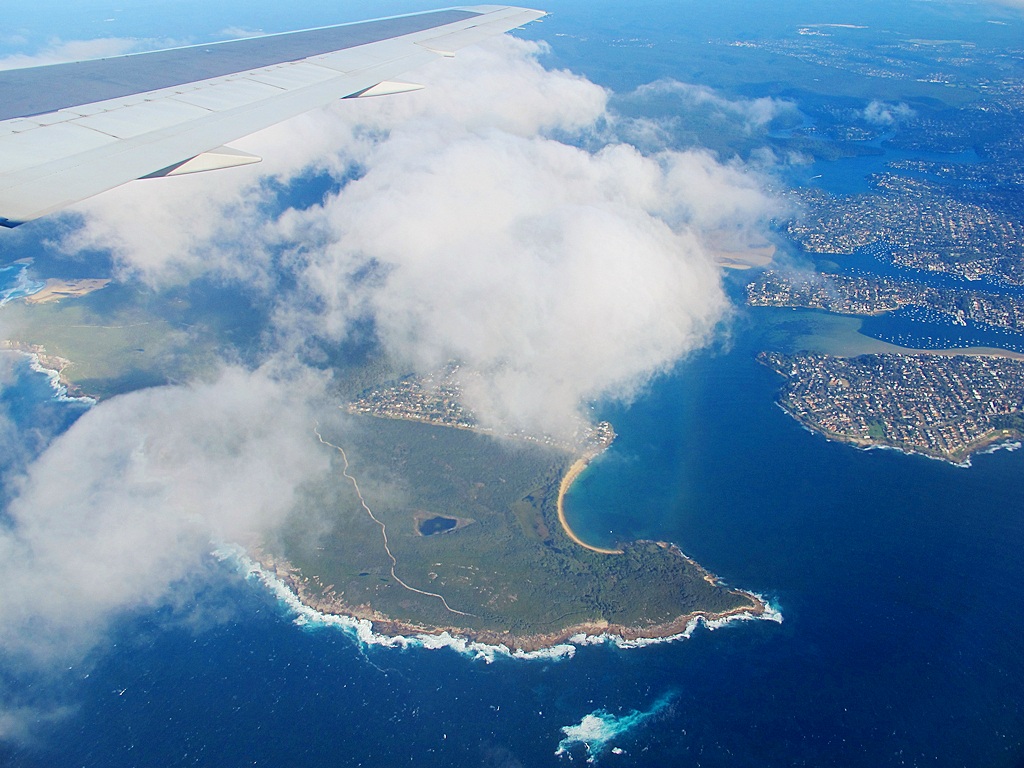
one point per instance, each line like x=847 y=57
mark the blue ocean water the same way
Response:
x=35 y=409
x=898 y=577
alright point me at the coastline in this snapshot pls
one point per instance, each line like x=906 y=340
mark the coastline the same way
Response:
x=54 y=289
x=51 y=366
x=373 y=627
x=316 y=601
x=568 y=479
x=988 y=443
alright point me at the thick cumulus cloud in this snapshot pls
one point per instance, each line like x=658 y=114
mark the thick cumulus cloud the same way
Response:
x=553 y=274
x=476 y=229
x=128 y=500
x=174 y=229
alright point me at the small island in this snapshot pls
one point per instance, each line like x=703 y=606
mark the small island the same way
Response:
x=942 y=406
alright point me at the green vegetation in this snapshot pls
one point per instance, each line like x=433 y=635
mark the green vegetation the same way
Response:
x=876 y=430
x=121 y=339
x=512 y=568
x=1011 y=422
x=507 y=563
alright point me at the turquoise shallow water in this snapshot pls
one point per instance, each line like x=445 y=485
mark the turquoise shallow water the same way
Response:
x=15 y=283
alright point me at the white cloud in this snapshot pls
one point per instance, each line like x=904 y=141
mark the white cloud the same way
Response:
x=751 y=113
x=553 y=274
x=127 y=501
x=884 y=113
x=557 y=274
x=172 y=229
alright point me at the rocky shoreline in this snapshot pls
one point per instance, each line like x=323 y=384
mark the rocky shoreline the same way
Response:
x=959 y=458
x=50 y=364
x=322 y=599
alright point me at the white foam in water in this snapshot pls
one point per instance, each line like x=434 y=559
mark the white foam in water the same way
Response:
x=60 y=391
x=21 y=288
x=771 y=613
x=362 y=629
x=595 y=732
x=1011 y=447
x=22 y=285
x=965 y=464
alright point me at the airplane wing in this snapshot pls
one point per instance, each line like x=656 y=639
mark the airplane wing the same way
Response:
x=70 y=131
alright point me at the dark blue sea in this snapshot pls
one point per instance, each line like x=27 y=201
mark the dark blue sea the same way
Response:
x=899 y=579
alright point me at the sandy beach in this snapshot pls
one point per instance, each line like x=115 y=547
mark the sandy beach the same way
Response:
x=55 y=290
x=570 y=477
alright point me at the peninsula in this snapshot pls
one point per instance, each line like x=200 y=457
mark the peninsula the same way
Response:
x=430 y=526
x=427 y=522
x=942 y=406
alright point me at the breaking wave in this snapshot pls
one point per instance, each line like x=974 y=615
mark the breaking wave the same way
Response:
x=60 y=391
x=15 y=283
x=771 y=613
x=362 y=629
x=1013 y=445
x=595 y=733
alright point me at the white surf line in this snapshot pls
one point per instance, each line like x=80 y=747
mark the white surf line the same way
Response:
x=383 y=528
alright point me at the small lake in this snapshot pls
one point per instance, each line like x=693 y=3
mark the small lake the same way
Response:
x=437 y=524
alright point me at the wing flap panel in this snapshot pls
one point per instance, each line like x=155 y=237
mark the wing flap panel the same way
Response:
x=140 y=119
x=234 y=93
x=291 y=76
x=33 y=149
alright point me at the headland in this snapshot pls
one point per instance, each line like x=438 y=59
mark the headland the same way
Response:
x=308 y=593
x=945 y=406
x=511 y=571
